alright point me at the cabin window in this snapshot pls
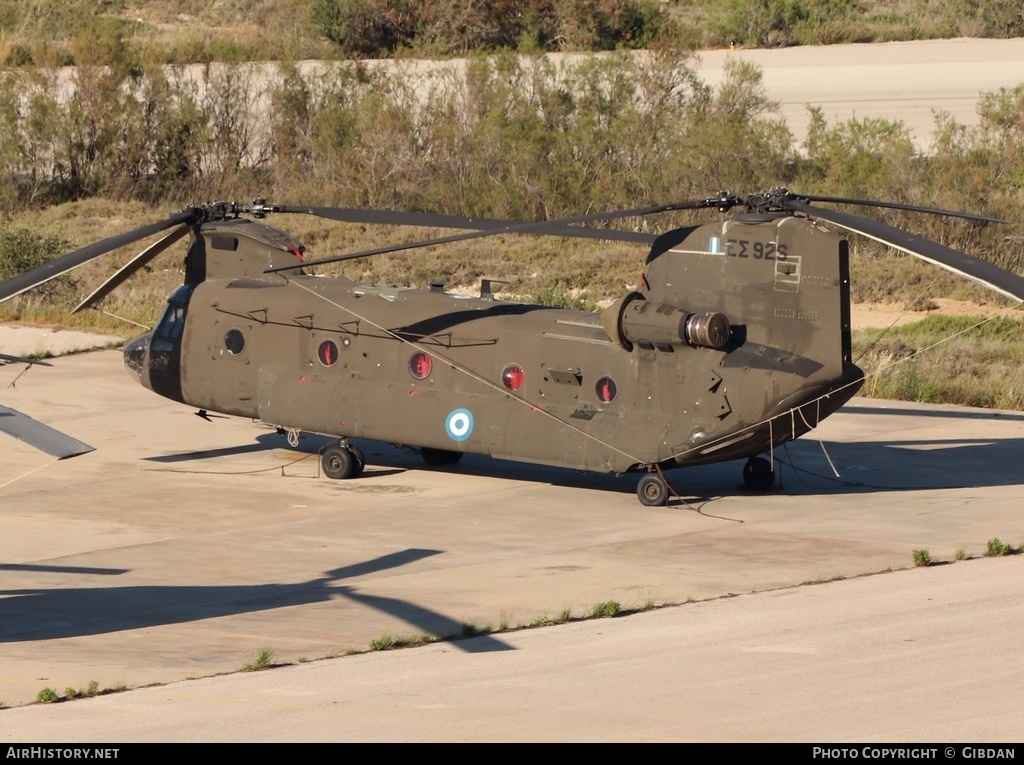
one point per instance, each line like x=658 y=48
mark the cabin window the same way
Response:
x=606 y=390
x=234 y=342
x=328 y=353
x=421 y=365
x=513 y=377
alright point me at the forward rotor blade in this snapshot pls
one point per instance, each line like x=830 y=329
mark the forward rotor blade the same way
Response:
x=40 y=436
x=59 y=266
x=129 y=268
x=433 y=220
x=537 y=227
x=21 y=360
x=959 y=263
x=898 y=206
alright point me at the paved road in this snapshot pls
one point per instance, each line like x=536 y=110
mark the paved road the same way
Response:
x=907 y=81
x=915 y=656
x=181 y=548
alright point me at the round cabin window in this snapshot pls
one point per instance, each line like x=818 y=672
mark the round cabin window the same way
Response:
x=421 y=365
x=513 y=377
x=328 y=353
x=606 y=390
x=234 y=342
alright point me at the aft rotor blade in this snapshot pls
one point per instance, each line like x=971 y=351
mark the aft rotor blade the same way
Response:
x=980 y=271
x=129 y=268
x=899 y=206
x=434 y=220
x=59 y=266
x=536 y=227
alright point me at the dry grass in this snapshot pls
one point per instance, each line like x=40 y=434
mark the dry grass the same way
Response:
x=965 y=360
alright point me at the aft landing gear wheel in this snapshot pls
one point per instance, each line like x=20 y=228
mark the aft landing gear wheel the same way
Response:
x=342 y=462
x=652 y=491
x=758 y=474
x=439 y=457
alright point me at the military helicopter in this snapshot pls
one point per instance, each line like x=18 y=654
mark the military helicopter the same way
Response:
x=736 y=340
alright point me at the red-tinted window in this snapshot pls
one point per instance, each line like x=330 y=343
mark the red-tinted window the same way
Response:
x=606 y=390
x=328 y=353
x=421 y=365
x=513 y=377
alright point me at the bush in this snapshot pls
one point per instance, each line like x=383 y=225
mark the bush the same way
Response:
x=47 y=696
x=372 y=28
x=22 y=250
x=607 y=609
x=922 y=558
x=376 y=28
x=996 y=548
x=776 y=23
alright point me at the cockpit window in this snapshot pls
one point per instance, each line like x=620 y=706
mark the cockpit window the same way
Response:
x=165 y=349
x=168 y=330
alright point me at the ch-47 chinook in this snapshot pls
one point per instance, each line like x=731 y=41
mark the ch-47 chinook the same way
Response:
x=736 y=340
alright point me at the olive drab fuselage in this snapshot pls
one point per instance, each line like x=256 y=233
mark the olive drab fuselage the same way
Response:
x=737 y=339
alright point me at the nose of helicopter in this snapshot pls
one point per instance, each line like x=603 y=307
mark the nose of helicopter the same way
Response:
x=135 y=354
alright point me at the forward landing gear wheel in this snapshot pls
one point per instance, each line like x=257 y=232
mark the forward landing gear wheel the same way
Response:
x=341 y=462
x=758 y=474
x=652 y=491
x=438 y=457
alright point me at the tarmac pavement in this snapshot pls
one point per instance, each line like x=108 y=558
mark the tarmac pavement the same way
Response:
x=182 y=548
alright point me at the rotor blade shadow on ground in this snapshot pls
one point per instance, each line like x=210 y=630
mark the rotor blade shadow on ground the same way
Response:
x=63 y=569
x=42 y=614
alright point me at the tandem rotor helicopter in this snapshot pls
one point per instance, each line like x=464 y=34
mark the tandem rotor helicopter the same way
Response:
x=736 y=340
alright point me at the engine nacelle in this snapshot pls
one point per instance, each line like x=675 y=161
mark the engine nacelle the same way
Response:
x=634 y=320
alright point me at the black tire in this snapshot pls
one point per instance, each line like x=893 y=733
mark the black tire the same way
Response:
x=652 y=491
x=758 y=474
x=439 y=457
x=338 y=462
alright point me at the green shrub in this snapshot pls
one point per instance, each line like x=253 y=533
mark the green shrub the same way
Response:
x=607 y=609
x=22 y=250
x=995 y=548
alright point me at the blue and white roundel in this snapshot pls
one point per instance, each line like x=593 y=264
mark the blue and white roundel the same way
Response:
x=459 y=425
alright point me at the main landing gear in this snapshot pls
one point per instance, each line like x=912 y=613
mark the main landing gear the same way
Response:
x=342 y=461
x=652 y=490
